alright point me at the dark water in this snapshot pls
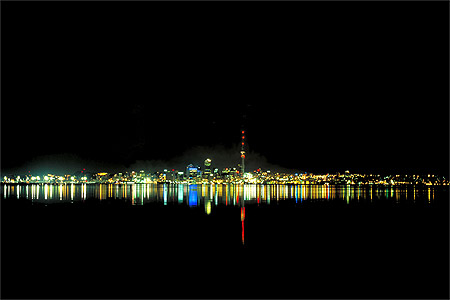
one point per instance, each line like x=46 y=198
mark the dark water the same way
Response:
x=192 y=195
x=156 y=241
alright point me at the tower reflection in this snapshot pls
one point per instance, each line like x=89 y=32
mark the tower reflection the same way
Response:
x=212 y=196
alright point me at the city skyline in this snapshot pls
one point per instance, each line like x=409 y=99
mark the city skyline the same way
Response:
x=364 y=98
x=208 y=173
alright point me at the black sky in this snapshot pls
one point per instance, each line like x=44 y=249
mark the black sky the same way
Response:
x=326 y=86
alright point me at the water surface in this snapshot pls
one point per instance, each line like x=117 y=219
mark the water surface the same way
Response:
x=228 y=194
x=224 y=241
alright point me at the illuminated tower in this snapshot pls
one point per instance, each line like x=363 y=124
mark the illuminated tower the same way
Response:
x=243 y=154
x=207 y=171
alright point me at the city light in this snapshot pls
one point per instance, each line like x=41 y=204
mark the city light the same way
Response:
x=232 y=175
x=203 y=174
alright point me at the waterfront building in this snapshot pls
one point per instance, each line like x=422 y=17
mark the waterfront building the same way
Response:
x=192 y=171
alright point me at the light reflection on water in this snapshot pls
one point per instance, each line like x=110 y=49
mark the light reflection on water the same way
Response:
x=209 y=196
x=217 y=194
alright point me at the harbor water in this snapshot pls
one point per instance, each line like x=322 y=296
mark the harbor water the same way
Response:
x=224 y=241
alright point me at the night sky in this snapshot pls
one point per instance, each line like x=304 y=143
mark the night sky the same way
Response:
x=324 y=87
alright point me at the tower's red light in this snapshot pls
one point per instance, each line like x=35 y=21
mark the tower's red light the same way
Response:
x=242 y=232
x=242 y=131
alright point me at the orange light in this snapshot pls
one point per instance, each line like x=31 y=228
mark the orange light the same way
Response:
x=243 y=137
x=242 y=131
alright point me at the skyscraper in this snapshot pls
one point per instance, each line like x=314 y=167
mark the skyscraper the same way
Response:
x=207 y=171
x=192 y=171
